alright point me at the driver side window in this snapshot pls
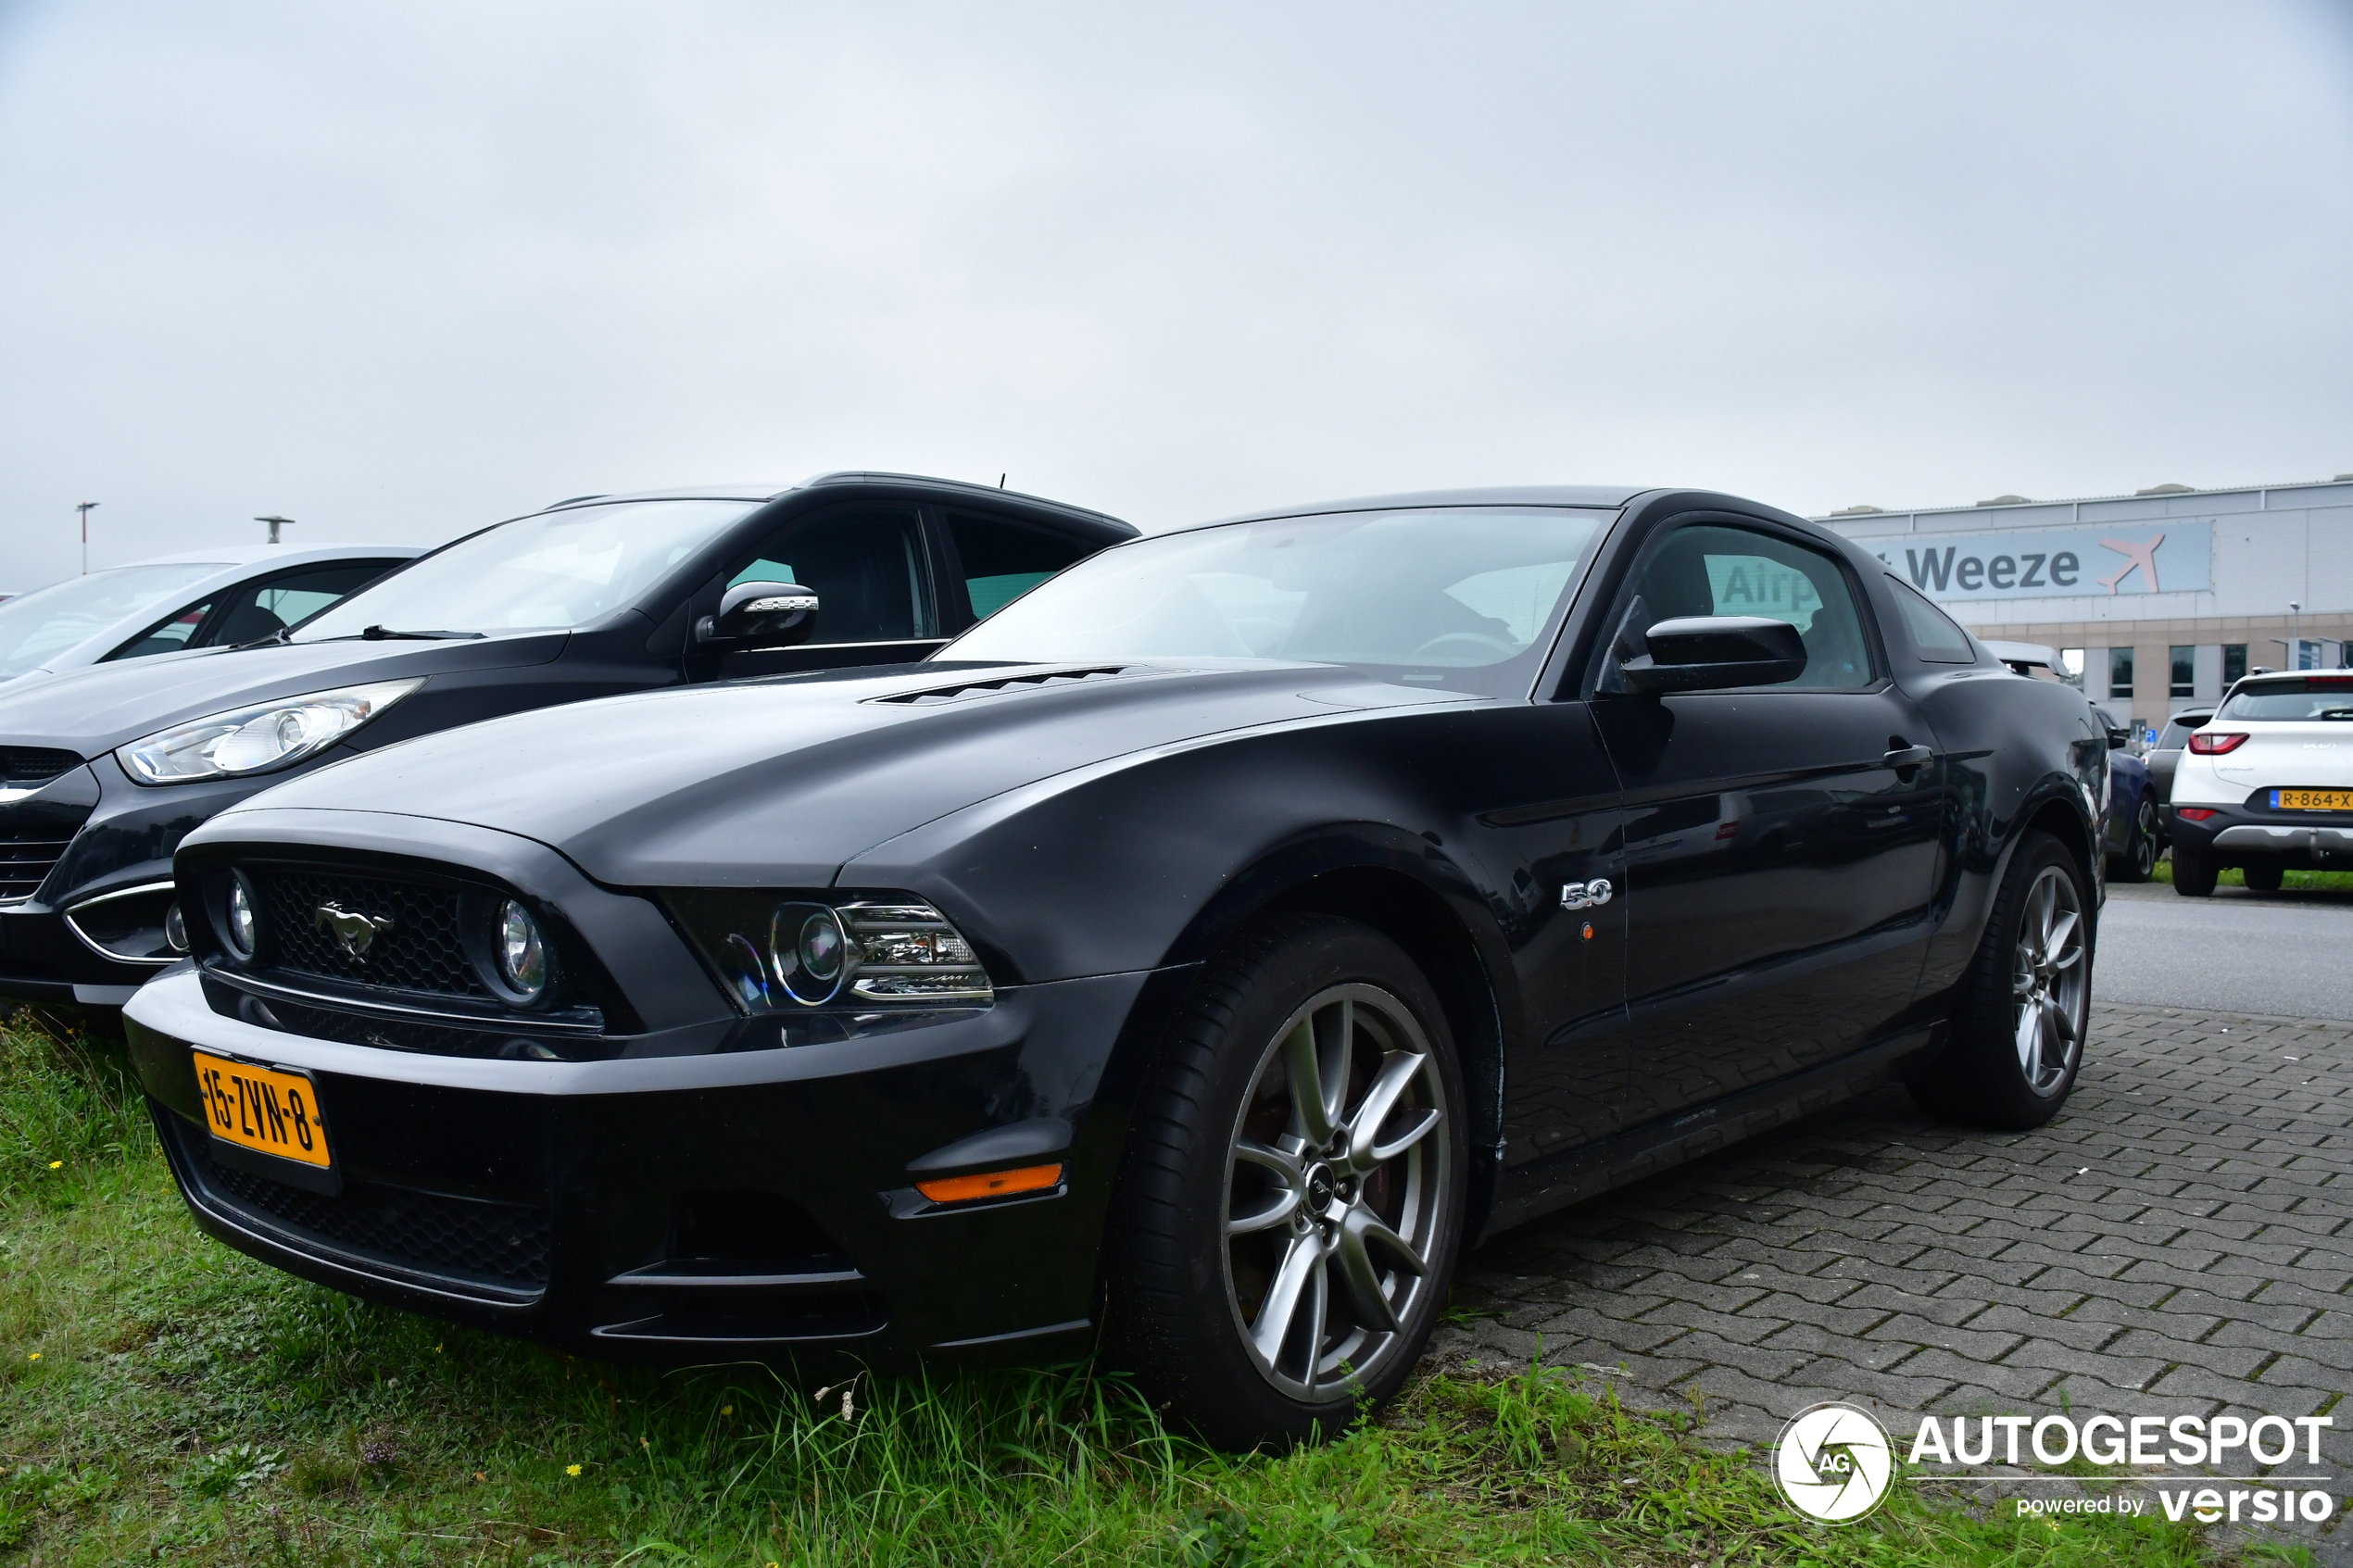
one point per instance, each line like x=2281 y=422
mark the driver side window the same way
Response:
x=1707 y=569
x=865 y=568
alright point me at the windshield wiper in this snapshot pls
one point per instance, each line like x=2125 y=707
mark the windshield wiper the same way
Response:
x=385 y=633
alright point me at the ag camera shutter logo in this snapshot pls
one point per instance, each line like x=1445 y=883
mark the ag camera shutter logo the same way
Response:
x=1834 y=1463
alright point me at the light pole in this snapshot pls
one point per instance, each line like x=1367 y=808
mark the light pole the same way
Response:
x=84 y=508
x=2295 y=630
x=275 y=524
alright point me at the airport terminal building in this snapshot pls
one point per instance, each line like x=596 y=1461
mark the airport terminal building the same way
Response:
x=2155 y=600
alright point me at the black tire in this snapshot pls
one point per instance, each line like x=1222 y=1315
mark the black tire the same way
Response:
x=2138 y=863
x=2018 y=1027
x=1190 y=1304
x=2264 y=876
x=2194 y=872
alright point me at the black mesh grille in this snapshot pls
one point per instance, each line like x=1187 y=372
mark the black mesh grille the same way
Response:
x=499 y=1244
x=28 y=848
x=419 y=949
x=30 y=767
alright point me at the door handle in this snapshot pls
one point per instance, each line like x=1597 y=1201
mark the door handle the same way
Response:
x=1908 y=757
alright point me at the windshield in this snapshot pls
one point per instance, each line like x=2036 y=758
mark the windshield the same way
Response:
x=1458 y=596
x=2321 y=697
x=556 y=570
x=47 y=621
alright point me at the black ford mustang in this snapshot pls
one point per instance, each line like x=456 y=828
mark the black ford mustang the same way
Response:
x=1203 y=950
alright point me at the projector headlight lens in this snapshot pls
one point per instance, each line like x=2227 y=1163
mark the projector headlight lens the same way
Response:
x=774 y=953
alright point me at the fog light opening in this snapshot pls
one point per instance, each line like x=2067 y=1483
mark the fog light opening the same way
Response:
x=175 y=929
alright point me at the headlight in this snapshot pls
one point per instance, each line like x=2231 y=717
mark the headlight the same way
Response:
x=772 y=952
x=257 y=739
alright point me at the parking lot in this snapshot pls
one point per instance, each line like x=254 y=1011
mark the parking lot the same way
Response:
x=2176 y=1242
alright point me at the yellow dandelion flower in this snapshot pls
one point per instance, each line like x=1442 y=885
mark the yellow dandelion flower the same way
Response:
x=726 y=1409
x=57 y=1164
x=572 y=1470
x=34 y=1357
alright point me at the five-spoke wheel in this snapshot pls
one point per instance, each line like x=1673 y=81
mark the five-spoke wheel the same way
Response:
x=2048 y=982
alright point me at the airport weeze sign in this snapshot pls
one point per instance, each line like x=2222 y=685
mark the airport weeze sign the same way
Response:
x=2168 y=556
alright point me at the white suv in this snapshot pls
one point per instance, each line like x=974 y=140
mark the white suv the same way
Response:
x=2267 y=783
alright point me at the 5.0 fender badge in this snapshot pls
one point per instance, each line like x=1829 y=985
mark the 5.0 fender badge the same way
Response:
x=352 y=931
x=1587 y=894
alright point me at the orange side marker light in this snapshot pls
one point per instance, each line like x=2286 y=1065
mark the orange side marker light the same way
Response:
x=991 y=1183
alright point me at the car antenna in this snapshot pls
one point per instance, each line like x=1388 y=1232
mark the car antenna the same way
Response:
x=1000 y=481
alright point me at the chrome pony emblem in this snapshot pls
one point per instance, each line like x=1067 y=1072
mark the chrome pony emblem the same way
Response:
x=352 y=931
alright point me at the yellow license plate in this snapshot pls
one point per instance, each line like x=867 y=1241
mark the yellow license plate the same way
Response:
x=2312 y=800
x=260 y=1108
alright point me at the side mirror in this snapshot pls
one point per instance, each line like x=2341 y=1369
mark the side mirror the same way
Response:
x=1704 y=652
x=761 y=615
x=2119 y=739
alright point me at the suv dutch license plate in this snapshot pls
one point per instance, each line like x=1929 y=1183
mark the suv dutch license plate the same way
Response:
x=262 y=1109
x=2312 y=800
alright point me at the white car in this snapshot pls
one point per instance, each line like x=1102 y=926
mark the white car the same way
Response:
x=2267 y=783
x=206 y=598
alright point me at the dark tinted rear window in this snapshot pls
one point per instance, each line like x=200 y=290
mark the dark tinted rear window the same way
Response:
x=2317 y=697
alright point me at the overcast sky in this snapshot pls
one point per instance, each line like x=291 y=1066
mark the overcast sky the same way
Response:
x=399 y=270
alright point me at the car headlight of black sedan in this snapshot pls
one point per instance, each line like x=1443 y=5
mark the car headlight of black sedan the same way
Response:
x=780 y=951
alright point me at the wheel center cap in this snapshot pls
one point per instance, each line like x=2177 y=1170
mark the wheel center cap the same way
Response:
x=1320 y=1187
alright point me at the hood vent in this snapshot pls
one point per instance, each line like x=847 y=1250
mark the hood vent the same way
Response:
x=970 y=689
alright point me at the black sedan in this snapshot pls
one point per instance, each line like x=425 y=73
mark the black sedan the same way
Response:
x=1201 y=953
x=104 y=771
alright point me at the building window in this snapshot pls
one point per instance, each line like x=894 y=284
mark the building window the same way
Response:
x=2120 y=672
x=2071 y=667
x=2233 y=663
x=2185 y=663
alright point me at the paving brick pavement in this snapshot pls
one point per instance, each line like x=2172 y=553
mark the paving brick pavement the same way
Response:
x=2179 y=1241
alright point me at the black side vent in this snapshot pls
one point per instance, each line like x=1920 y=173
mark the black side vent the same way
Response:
x=1007 y=684
x=30 y=767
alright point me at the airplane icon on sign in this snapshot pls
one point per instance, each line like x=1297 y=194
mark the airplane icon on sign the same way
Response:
x=2139 y=558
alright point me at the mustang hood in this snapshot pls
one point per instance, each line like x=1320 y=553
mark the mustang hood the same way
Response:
x=779 y=782
x=93 y=709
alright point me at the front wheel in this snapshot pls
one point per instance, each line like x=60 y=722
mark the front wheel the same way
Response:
x=2018 y=1026
x=1290 y=1200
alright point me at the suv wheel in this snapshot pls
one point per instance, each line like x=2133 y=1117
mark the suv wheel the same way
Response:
x=2019 y=1028
x=2194 y=872
x=1291 y=1199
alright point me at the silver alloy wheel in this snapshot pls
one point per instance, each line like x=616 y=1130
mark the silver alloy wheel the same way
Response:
x=2145 y=839
x=1335 y=1197
x=2049 y=981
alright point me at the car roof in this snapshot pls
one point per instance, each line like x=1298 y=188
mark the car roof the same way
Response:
x=1497 y=495
x=288 y=555
x=944 y=489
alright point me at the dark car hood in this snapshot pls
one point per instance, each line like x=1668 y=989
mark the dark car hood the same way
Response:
x=779 y=782
x=95 y=709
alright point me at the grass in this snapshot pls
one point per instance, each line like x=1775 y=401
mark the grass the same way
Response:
x=164 y=1399
x=2291 y=881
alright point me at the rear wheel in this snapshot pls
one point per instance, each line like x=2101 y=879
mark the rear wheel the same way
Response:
x=2264 y=876
x=2019 y=1029
x=1291 y=1199
x=2194 y=872
x=2139 y=860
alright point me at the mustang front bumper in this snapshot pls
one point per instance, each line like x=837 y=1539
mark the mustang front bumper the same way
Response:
x=736 y=1201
